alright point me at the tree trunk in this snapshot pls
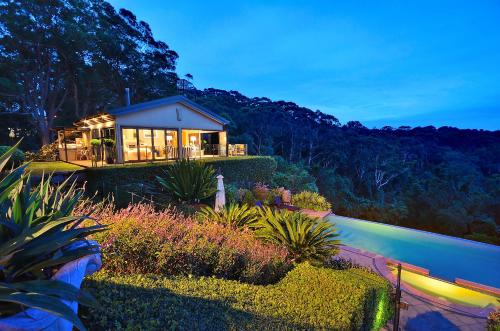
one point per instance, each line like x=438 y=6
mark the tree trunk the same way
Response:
x=43 y=131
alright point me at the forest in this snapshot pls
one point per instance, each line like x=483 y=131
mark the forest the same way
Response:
x=62 y=60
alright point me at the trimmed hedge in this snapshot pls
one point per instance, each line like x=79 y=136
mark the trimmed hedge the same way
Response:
x=140 y=177
x=307 y=298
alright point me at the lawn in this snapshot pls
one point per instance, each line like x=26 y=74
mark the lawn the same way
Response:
x=38 y=168
x=307 y=298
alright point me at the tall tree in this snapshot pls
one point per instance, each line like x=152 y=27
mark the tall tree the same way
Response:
x=72 y=58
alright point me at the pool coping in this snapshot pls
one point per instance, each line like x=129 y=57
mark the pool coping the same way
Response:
x=380 y=264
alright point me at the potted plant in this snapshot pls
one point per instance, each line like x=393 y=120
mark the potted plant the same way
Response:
x=43 y=253
x=109 y=144
x=96 y=148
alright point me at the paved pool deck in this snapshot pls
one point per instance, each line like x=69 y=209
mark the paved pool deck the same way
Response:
x=424 y=313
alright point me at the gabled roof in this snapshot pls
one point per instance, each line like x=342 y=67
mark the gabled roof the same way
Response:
x=165 y=102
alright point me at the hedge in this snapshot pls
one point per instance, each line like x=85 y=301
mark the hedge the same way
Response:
x=307 y=298
x=140 y=177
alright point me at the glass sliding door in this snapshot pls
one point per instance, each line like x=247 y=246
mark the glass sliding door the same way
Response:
x=130 y=151
x=159 y=144
x=171 y=144
x=145 y=144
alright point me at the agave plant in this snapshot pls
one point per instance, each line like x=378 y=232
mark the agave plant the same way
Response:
x=233 y=215
x=37 y=235
x=189 y=181
x=306 y=238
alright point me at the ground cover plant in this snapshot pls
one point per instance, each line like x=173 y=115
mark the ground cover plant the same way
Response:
x=307 y=298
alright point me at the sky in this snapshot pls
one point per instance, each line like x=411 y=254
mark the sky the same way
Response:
x=381 y=63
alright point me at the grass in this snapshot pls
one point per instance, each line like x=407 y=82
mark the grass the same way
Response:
x=307 y=298
x=38 y=168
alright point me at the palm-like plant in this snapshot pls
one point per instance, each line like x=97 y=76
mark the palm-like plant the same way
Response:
x=189 y=181
x=36 y=235
x=306 y=238
x=233 y=215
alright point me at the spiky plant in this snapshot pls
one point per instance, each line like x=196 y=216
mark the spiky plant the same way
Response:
x=233 y=215
x=189 y=181
x=37 y=235
x=306 y=238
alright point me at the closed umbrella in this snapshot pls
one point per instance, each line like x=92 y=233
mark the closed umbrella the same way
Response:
x=220 y=196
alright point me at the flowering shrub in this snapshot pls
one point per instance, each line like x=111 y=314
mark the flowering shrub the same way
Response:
x=141 y=240
x=310 y=200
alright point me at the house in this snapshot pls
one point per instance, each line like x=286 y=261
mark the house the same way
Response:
x=162 y=129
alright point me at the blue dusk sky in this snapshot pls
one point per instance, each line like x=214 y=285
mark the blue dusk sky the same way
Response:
x=380 y=62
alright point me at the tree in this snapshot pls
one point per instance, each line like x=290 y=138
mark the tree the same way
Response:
x=75 y=58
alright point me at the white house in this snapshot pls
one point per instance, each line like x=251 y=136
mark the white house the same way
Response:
x=162 y=129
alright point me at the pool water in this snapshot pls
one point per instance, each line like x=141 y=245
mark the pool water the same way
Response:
x=446 y=257
x=448 y=291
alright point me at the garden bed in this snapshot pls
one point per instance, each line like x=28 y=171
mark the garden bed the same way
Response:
x=307 y=298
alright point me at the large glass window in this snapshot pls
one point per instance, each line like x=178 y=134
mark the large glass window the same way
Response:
x=130 y=145
x=146 y=144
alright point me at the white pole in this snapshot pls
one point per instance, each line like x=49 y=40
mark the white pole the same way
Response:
x=220 y=197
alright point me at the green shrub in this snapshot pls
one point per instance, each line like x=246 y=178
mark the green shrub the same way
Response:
x=240 y=171
x=108 y=142
x=142 y=240
x=189 y=181
x=16 y=158
x=231 y=193
x=310 y=200
x=35 y=234
x=49 y=152
x=232 y=215
x=247 y=197
x=308 y=298
x=305 y=238
x=95 y=142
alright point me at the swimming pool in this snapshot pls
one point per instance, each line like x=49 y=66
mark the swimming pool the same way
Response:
x=446 y=257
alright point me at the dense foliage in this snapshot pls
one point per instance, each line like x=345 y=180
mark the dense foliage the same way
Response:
x=307 y=298
x=89 y=51
x=310 y=200
x=438 y=179
x=37 y=236
x=142 y=240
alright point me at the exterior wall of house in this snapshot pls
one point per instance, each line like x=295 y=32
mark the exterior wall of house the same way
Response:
x=176 y=116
